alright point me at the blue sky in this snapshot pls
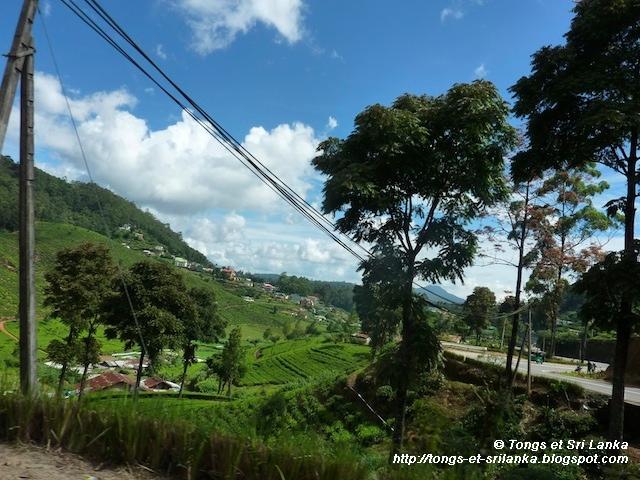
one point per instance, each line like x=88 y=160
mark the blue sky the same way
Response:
x=280 y=75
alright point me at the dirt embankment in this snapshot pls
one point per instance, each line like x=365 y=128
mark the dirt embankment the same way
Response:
x=33 y=463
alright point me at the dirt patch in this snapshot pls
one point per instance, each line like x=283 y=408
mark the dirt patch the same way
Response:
x=34 y=463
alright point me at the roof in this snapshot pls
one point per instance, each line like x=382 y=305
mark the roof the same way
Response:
x=109 y=379
x=155 y=382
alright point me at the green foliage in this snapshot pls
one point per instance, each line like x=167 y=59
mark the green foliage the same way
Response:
x=553 y=423
x=478 y=308
x=76 y=203
x=160 y=301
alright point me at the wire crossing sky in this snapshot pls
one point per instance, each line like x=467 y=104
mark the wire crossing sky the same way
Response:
x=281 y=80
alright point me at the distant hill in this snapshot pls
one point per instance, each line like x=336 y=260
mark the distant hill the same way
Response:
x=76 y=203
x=439 y=295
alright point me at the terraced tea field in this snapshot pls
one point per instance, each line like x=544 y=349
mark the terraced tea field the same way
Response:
x=304 y=360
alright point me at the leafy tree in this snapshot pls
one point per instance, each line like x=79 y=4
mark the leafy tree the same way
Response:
x=565 y=235
x=581 y=102
x=77 y=286
x=230 y=367
x=153 y=320
x=204 y=326
x=515 y=220
x=408 y=179
x=478 y=309
x=377 y=319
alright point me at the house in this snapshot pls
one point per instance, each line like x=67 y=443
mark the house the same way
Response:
x=281 y=296
x=268 y=287
x=159 y=249
x=229 y=273
x=148 y=253
x=248 y=299
x=157 y=384
x=125 y=228
x=307 y=302
x=181 y=262
x=207 y=270
x=138 y=236
x=361 y=338
x=109 y=380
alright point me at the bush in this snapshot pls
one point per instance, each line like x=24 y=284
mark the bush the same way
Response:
x=556 y=424
x=369 y=435
x=385 y=393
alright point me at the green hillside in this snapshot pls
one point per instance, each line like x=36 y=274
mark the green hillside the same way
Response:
x=253 y=317
x=76 y=203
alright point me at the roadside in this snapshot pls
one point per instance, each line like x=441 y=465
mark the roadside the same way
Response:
x=35 y=463
x=4 y=330
x=555 y=371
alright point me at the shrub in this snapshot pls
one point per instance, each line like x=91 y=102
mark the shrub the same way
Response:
x=385 y=393
x=369 y=434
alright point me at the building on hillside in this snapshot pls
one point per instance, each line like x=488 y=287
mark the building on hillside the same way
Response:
x=125 y=228
x=361 y=338
x=109 y=381
x=248 y=299
x=229 y=274
x=281 y=296
x=148 y=253
x=181 y=262
x=207 y=270
x=157 y=384
x=308 y=302
x=138 y=236
x=268 y=287
x=159 y=249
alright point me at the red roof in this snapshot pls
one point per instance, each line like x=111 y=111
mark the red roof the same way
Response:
x=108 y=380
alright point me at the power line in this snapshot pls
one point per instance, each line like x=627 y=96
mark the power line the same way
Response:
x=90 y=176
x=210 y=125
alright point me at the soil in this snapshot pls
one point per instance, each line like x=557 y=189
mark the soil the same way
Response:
x=35 y=463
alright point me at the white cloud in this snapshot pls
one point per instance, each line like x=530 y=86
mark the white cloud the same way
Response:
x=332 y=123
x=216 y=23
x=451 y=12
x=160 y=52
x=176 y=169
x=480 y=71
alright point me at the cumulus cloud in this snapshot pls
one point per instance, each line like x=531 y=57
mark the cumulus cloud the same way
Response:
x=480 y=71
x=176 y=169
x=216 y=23
x=332 y=123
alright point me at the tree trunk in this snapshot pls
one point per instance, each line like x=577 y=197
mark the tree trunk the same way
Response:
x=83 y=380
x=63 y=373
x=404 y=367
x=516 y=304
x=623 y=328
x=65 y=364
x=139 y=373
x=184 y=377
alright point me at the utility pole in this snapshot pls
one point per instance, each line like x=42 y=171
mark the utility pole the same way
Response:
x=20 y=66
x=529 y=355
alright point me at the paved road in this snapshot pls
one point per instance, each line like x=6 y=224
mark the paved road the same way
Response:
x=555 y=371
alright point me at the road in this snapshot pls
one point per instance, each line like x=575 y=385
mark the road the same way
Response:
x=555 y=371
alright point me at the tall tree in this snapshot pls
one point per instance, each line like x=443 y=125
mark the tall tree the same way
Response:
x=478 y=309
x=581 y=102
x=230 y=366
x=77 y=286
x=204 y=326
x=515 y=220
x=410 y=178
x=565 y=240
x=160 y=302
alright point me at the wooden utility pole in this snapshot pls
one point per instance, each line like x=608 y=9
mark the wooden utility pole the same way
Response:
x=529 y=355
x=20 y=66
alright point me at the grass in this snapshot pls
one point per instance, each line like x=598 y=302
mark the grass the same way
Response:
x=123 y=436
